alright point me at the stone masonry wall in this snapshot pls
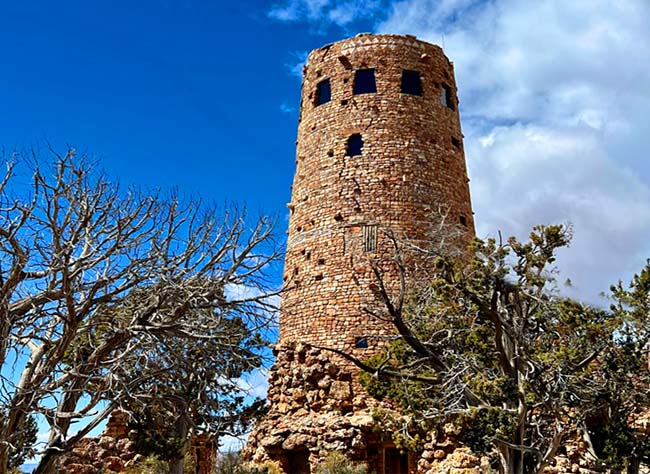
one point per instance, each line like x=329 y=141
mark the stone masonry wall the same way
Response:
x=411 y=167
x=314 y=407
x=114 y=452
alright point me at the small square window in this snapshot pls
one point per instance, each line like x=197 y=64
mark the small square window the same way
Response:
x=354 y=145
x=456 y=142
x=364 y=81
x=411 y=83
x=323 y=92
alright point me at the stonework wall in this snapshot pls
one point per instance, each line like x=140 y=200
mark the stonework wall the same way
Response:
x=409 y=169
x=314 y=408
x=114 y=452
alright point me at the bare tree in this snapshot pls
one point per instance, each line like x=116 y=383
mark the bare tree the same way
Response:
x=93 y=278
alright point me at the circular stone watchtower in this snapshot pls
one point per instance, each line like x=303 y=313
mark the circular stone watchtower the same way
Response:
x=379 y=154
x=379 y=146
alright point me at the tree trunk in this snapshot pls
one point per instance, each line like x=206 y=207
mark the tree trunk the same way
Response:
x=177 y=463
x=633 y=468
x=47 y=463
x=4 y=458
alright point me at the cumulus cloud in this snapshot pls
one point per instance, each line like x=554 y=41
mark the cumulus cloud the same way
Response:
x=553 y=96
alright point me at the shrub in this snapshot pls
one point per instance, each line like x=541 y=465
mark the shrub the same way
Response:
x=232 y=463
x=150 y=465
x=338 y=463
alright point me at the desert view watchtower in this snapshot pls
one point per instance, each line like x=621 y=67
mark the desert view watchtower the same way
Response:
x=379 y=147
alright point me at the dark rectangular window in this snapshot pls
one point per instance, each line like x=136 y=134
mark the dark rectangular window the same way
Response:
x=354 y=145
x=298 y=462
x=456 y=142
x=323 y=92
x=364 y=81
x=411 y=83
x=446 y=97
x=395 y=462
x=361 y=343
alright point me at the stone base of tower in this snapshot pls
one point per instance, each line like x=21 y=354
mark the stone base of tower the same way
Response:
x=316 y=406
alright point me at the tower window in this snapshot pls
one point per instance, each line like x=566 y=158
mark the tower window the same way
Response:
x=446 y=97
x=361 y=342
x=369 y=238
x=364 y=81
x=456 y=142
x=411 y=83
x=354 y=145
x=463 y=220
x=323 y=92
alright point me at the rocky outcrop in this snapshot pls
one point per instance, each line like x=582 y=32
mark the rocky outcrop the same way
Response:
x=94 y=455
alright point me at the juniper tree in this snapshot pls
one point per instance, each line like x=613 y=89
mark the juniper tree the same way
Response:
x=489 y=345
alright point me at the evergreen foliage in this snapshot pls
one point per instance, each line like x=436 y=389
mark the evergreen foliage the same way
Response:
x=492 y=347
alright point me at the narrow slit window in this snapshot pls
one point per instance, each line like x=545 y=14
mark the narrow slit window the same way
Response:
x=369 y=238
x=411 y=82
x=446 y=97
x=354 y=145
x=364 y=82
x=323 y=92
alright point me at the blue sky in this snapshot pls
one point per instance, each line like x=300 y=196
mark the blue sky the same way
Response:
x=202 y=95
x=168 y=93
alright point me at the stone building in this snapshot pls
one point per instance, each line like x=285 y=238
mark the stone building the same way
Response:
x=114 y=451
x=379 y=160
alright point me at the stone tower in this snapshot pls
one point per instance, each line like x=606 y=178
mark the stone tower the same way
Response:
x=379 y=154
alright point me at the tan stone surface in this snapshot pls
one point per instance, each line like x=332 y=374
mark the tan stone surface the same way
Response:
x=114 y=452
x=407 y=170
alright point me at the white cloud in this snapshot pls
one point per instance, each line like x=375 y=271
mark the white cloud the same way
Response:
x=285 y=108
x=255 y=384
x=325 y=12
x=299 y=58
x=554 y=97
x=232 y=444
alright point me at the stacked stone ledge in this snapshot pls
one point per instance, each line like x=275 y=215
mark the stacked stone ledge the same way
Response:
x=314 y=406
